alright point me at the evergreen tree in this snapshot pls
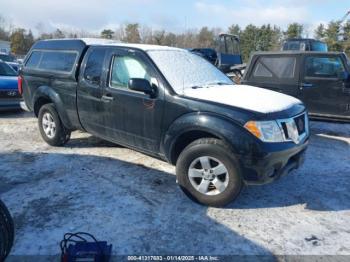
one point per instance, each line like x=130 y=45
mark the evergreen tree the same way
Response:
x=320 y=32
x=206 y=38
x=248 y=42
x=107 y=33
x=234 y=30
x=294 y=30
x=333 y=35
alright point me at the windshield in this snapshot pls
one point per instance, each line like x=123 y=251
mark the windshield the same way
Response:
x=6 y=70
x=7 y=58
x=184 y=70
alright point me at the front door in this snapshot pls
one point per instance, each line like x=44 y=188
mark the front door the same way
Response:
x=325 y=85
x=89 y=93
x=132 y=118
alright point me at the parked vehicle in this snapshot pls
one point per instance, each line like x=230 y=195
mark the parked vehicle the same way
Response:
x=226 y=56
x=304 y=44
x=10 y=60
x=226 y=53
x=6 y=232
x=321 y=80
x=170 y=104
x=9 y=96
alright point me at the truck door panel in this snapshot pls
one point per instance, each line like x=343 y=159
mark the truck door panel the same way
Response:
x=132 y=117
x=279 y=74
x=323 y=85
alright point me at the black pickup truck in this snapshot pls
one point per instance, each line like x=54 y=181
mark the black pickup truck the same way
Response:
x=320 y=79
x=170 y=104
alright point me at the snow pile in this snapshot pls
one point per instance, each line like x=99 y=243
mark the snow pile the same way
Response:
x=132 y=200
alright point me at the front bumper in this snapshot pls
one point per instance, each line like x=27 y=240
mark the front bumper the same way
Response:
x=277 y=162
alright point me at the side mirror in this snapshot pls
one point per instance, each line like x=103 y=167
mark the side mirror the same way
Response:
x=141 y=85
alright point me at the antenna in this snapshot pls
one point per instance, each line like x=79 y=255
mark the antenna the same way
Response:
x=183 y=85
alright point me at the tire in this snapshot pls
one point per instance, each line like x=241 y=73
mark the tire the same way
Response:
x=221 y=179
x=51 y=128
x=6 y=232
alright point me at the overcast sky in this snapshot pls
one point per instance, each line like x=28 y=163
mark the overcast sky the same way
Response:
x=177 y=16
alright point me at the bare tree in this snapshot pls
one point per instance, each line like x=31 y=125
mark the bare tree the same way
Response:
x=132 y=33
x=159 y=37
x=146 y=34
x=119 y=33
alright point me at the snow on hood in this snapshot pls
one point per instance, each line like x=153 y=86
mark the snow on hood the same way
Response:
x=244 y=96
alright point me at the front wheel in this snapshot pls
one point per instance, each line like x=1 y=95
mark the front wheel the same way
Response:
x=208 y=172
x=51 y=128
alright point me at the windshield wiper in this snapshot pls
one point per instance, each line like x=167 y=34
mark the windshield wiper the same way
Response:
x=197 y=87
x=206 y=85
x=217 y=83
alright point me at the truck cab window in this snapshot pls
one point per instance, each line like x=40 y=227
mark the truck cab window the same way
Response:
x=279 y=67
x=34 y=59
x=329 y=67
x=94 y=65
x=60 y=61
x=126 y=67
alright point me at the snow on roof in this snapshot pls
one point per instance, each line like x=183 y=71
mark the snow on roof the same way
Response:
x=99 y=41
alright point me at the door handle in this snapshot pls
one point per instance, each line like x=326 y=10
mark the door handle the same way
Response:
x=346 y=90
x=107 y=98
x=306 y=85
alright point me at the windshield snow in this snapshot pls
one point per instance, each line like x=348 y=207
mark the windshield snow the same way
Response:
x=185 y=70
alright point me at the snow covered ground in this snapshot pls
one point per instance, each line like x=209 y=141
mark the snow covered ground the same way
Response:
x=133 y=202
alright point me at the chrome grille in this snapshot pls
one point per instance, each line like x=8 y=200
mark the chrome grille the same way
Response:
x=296 y=128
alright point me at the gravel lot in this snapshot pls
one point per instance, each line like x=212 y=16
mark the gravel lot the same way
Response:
x=132 y=200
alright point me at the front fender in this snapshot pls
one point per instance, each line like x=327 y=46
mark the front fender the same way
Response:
x=235 y=135
x=46 y=92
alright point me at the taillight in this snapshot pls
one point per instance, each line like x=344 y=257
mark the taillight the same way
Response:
x=20 y=85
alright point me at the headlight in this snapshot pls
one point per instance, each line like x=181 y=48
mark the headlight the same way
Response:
x=267 y=131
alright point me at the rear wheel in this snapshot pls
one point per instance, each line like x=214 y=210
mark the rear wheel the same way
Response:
x=208 y=172
x=51 y=127
x=6 y=232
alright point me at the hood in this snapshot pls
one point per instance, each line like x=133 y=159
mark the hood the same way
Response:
x=14 y=65
x=8 y=82
x=246 y=97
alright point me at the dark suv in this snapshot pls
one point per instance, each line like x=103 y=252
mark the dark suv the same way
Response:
x=304 y=44
x=170 y=104
x=320 y=79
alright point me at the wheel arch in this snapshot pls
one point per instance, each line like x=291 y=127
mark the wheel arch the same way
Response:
x=191 y=127
x=186 y=138
x=45 y=95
